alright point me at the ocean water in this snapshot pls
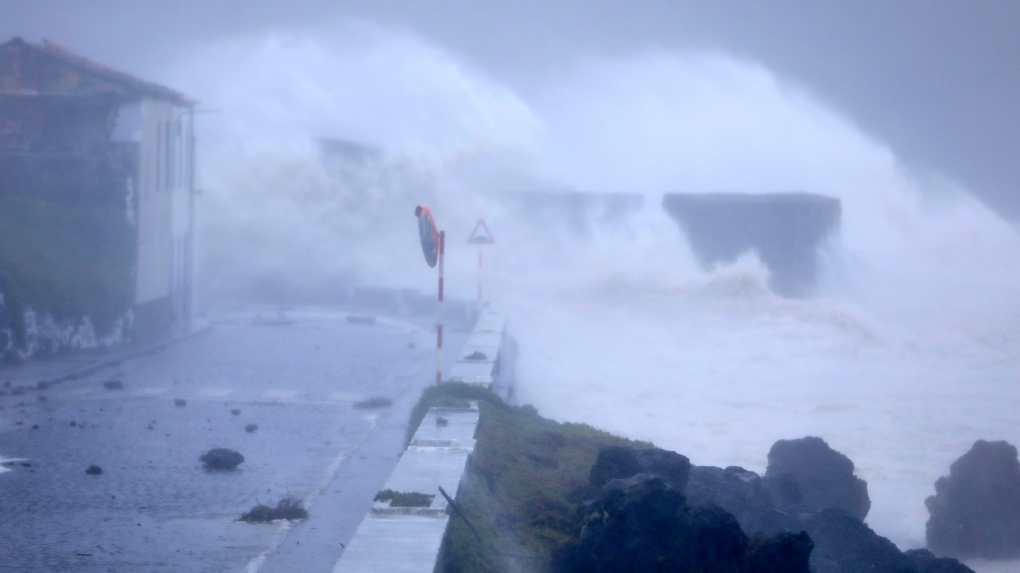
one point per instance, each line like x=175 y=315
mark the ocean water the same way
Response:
x=908 y=353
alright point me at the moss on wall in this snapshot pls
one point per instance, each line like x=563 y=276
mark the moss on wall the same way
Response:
x=70 y=261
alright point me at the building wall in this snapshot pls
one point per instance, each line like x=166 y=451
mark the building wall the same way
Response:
x=164 y=201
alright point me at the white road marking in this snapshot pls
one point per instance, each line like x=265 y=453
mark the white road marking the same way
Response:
x=215 y=392
x=152 y=391
x=280 y=394
x=345 y=397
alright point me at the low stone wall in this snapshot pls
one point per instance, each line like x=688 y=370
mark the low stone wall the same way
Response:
x=395 y=538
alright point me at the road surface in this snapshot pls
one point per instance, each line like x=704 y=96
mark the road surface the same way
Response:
x=154 y=508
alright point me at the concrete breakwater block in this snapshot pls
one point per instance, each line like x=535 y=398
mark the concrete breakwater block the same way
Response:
x=785 y=229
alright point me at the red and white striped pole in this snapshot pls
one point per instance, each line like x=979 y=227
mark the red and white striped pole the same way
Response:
x=439 y=322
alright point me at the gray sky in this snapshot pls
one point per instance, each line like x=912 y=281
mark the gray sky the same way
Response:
x=937 y=80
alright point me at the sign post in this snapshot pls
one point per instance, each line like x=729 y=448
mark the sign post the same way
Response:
x=433 y=246
x=480 y=236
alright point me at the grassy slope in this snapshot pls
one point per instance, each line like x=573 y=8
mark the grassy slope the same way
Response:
x=70 y=261
x=523 y=484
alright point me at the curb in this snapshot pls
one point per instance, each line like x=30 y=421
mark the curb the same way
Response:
x=110 y=362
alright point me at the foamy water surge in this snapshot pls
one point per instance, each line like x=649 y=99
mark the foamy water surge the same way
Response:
x=909 y=352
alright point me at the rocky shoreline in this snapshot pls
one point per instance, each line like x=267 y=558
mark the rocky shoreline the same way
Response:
x=568 y=498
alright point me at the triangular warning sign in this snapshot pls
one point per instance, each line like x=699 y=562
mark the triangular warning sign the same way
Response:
x=481 y=235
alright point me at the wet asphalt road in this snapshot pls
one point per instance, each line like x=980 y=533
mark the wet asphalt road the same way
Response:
x=154 y=508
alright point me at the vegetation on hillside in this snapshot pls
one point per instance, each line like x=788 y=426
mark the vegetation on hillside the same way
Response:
x=522 y=487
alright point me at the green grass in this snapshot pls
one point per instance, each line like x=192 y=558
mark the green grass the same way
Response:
x=68 y=261
x=521 y=491
x=450 y=395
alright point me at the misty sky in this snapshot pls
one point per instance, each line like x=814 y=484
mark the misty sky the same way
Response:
x=936 y=80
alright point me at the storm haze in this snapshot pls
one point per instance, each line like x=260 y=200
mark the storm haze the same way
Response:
x=322 y=125
x=932 y=80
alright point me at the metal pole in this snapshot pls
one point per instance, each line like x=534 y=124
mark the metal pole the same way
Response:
x=479 y=273
x=439 y=322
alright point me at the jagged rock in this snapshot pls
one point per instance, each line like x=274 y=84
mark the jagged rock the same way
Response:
x=844 y=544
x=617 y=462
x=926 y=562
x=221 y=459
x=787 y=552
x=742 y=493
x=975 y=512
x=641 y=524
x=807 y=476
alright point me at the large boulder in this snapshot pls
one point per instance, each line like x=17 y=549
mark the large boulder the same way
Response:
x=221 y=459
x=618 y=462
x=742 y=493
x=787 y=552
x=975 y=512
x=806 y=476
x=844 y=544
x=641 y=524
x=926 y=562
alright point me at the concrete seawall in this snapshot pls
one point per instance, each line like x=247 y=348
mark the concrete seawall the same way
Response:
x=394 y=539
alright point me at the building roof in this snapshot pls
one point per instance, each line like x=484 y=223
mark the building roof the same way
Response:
x=50 y=69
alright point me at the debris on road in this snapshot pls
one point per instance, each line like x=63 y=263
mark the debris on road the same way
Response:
x=404 y=498
x=221 y=459
x=251 y=428
x=289 y=508
x=94 y=470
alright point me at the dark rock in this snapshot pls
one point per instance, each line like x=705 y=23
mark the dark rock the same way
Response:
x=844 y=544
x=975 y=512
x=35 y=426
x=618 y=462
x=926 y=562
x=785 y=553
x=641 y=524
x=807 y=476
x=221 y=459
x=180 y=402
x=236 y=412
x=94 y=470
x=742 y=493
x=442 y=422
x=73 y=423
x=251 y=428
x=113 y=385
